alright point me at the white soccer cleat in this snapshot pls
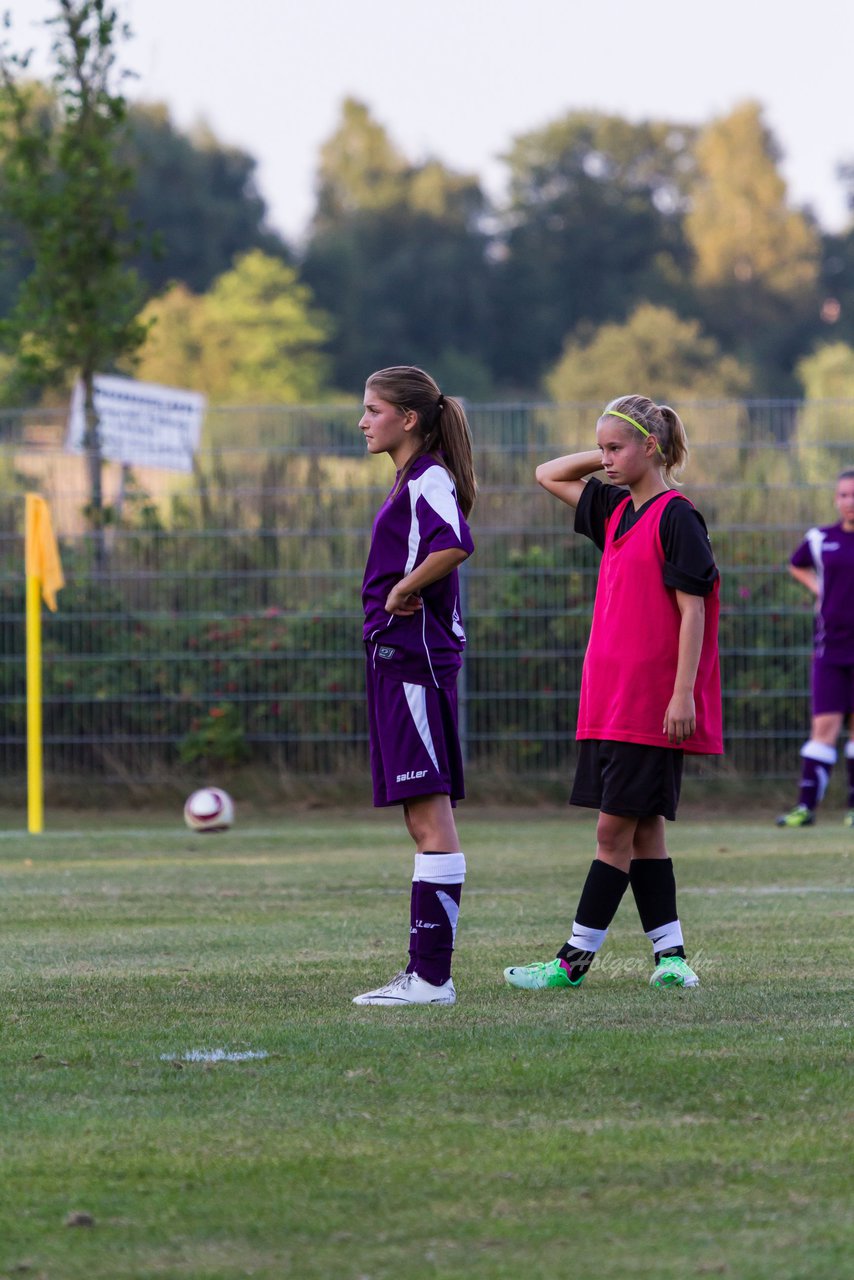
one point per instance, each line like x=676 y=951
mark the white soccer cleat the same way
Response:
x=408 y=988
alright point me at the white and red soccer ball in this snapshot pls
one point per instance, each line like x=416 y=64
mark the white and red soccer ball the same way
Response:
x=210 y=809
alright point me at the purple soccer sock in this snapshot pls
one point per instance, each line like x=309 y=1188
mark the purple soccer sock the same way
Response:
x=817 y=761
x=437 y=907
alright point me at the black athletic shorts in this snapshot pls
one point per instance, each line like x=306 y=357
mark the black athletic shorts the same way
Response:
x=628 y=779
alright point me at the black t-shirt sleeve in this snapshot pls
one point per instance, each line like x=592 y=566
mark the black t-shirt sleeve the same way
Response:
x=689 y=564
x=595 y=505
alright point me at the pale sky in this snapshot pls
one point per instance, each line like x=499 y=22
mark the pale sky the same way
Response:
x=459 y=79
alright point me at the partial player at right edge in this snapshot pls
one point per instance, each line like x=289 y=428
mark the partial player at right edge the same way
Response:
x=824 y=564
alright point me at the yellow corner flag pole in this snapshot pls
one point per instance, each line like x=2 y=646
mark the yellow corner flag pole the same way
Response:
x=44 y=579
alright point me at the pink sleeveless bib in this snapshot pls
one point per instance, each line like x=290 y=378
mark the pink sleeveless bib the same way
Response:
x=632 y=653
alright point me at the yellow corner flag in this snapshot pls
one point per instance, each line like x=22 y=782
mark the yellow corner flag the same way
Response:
x=41 y=551
x=44 y=579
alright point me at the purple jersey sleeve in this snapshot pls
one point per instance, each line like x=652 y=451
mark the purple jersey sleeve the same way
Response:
x=802 y=556
x=441 y=526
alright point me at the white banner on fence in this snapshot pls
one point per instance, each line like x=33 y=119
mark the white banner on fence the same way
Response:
x=140 y=422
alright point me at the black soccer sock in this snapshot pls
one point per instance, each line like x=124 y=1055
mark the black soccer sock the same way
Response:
x=654 y=886
x=575 y=961
x=601 y=896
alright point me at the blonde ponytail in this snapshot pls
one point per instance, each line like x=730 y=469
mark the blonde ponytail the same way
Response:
x=675 y=447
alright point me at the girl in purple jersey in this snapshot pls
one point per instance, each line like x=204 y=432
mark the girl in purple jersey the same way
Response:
x=414 y=642
x=824 y=564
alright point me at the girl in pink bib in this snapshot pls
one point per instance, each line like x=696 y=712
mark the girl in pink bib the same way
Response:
x=650 y=685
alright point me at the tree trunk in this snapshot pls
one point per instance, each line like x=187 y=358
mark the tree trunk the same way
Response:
x=94 y=460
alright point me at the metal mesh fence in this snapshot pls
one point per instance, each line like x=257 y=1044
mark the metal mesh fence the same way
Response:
x=222 y=622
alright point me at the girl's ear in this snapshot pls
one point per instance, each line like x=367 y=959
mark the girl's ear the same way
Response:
x=410 y=419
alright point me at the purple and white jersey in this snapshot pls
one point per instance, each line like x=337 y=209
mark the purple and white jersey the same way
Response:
x=424 y=516
x=830 y=551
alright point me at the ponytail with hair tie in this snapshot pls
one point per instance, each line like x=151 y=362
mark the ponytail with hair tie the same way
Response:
x=659 y=421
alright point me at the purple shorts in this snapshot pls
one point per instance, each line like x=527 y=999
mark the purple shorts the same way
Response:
x=415 y=743
x=832 y=687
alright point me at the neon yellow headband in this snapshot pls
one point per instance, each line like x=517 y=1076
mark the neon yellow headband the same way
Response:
x=615 y=413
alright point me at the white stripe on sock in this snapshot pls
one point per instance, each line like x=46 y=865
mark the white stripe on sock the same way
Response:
x=586 y=939
x=665 y=936
x=452 y=911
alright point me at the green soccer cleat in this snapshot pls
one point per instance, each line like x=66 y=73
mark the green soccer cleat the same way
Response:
x=534 y=977
x=673 y=971
x=848 y=820
x=800 y=816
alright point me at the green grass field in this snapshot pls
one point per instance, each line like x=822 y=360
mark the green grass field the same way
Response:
x=613 y=1131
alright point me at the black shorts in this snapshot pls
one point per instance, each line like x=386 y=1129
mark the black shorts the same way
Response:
x=628 y=779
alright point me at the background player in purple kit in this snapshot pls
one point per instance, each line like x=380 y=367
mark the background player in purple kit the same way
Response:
x=824 y=564
x=414 y=642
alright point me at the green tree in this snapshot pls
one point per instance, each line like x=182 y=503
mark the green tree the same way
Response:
x=837 y=271
x=15 y=257
x=254 y=338
x=593 y=225
x=192 y=198
x=397 y=256
x=66 y=187
x=659 y=354
x=756 y=260
x=655 y=353
x=178 y=350
x=360 y=169
x=836 y=287
x=828 y=374
x=824 y=427
x=196 y=200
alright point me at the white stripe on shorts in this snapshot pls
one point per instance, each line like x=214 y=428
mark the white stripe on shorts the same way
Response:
x=416 y=696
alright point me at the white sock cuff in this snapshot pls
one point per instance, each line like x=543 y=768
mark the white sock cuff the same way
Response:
x=585 y=938
x=415 y=868
x=666 y=936
x=441 y=868
x=849 y=750
x=819 y=751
